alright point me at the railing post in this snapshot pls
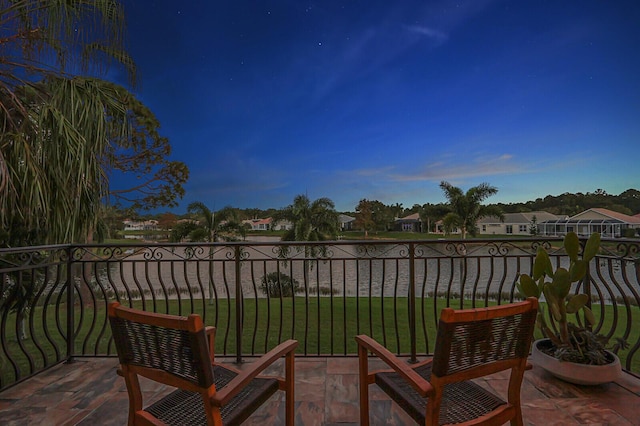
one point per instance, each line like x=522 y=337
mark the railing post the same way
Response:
x=239 y=305
x=412 y=301
x=586 y=287
x=70 y=306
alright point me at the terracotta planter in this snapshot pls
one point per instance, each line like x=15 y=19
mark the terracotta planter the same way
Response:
x=580 y=374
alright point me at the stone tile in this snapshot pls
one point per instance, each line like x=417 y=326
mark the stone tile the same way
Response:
x=588 y=411
x=90 y=392
x=310 y=413
x=342 y=365
x=341 y=398
x=312 y=368
x=546 y=414
x=270 y=413
x=114 y=412
x=388 y=413
x=629 y=382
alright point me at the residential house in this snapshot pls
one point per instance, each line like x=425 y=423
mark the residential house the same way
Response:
x=514 y=223
x=606 y=222
x=281 y=225
x=258 y=224
x=346 y=222
x=411 y=223
x=137 y=225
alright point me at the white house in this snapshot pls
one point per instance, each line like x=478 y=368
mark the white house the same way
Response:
x=136 y=225
x=411 y=223
x=514 y=223
x=258 y=224
x=606 y=222
x=281 y=225
x=346 y=222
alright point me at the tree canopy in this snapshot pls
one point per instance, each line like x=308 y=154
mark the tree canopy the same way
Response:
x=466 y=207
x=312 y=221
x=64 y=136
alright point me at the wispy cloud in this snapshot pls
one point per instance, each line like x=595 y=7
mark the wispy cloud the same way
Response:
x=451 y=170
x=433 y=34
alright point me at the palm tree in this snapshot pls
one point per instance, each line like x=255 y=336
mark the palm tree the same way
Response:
x=54 y=131
x=214 y=226
x=62 y=135
x=466 y=208
x=211 y=227
x=312 y=221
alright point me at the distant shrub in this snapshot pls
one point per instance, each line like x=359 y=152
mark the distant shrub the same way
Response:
x=279 y=284
x=323 y=290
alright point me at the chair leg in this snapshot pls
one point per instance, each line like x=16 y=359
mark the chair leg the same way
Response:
x=363 y=367
x=290 y=390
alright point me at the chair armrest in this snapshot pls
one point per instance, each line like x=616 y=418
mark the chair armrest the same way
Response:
x=422 y=386
x=210 y=331
x=241 y=380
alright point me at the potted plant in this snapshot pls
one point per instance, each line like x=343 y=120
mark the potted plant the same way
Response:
x=570 y=351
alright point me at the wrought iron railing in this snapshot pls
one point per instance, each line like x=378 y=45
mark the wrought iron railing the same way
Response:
x=53 y=299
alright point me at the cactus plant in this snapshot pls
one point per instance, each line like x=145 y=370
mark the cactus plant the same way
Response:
x=571 y=342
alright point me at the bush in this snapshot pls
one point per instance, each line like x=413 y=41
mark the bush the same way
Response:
x=278 y=284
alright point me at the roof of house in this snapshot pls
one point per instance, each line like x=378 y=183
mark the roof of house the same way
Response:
x=258 y=221
x=610 y=214
x=345 y=219
x=525 y=217
x=415 y=217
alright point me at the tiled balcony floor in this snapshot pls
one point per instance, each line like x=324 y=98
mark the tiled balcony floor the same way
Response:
x=89 y=392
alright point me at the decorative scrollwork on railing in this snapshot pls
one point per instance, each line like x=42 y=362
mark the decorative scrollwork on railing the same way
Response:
x=32 y=258
x=456 y=248
x=499 y=249
x=281 y=251
x=363 y=250
x=112 y=253
x=152 y=253
x=78 y=253
x=536 y=244
x=236 y=253
x=196 y=252
x=628 y=249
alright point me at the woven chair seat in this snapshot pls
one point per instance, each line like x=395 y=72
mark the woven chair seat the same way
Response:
x=186 y=408
x=178 y=351
x=461 y=401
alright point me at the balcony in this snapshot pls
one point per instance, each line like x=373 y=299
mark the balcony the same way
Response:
x=53 y=303
x=89 y=392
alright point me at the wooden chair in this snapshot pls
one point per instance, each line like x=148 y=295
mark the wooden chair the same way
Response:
x=179 y=351
x=471 y=343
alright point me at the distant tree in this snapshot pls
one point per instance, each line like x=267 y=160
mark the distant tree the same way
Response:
x=466 y=208
x=167 y=221
x=182 y=231
x=431 y=213
x=397 y=210
x=383 y=215
x=215 y=226
x=364 y=217
x=312 y=221
x=533 y=227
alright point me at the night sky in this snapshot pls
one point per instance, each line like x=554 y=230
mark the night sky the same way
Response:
x=264 y=100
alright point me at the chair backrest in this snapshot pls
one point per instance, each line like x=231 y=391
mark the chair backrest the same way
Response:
x=176 y=345
x=482 y=337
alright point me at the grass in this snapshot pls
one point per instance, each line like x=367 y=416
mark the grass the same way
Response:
x=322 y=325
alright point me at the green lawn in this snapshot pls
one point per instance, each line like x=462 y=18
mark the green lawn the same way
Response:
x=322 y=325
